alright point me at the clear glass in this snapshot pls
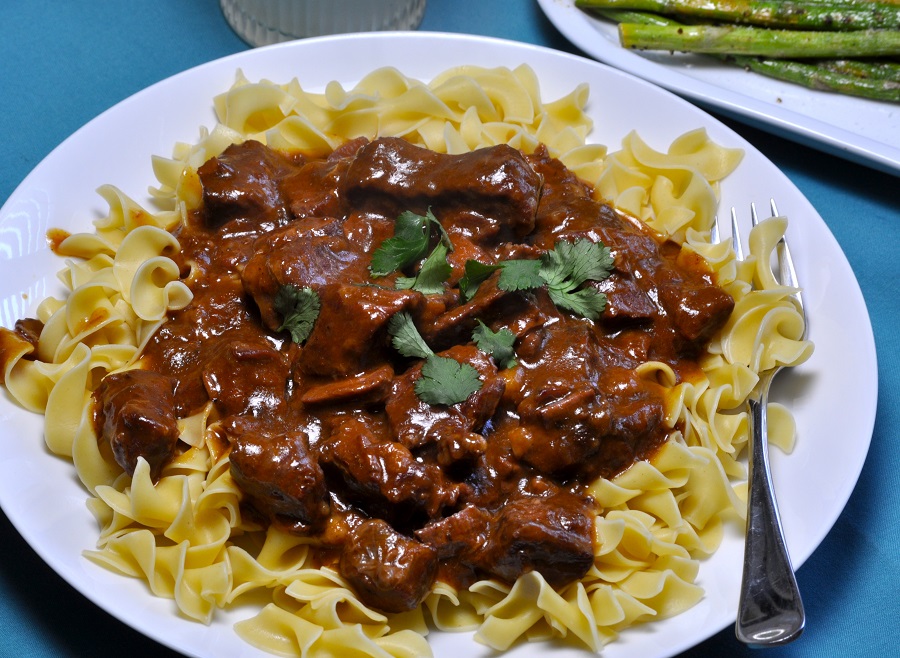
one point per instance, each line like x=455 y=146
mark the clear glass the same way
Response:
x=263 y=22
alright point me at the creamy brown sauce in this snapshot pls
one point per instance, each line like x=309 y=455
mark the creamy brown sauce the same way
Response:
x=329 y=439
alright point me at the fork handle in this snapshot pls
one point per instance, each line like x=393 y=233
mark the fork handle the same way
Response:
x=770 y=610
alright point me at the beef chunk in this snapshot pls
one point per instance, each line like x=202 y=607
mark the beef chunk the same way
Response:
x=567 y=429
x=23 y=338
x=383 y=477
x=389 y=572
x=135 y=413
x=456 y=324
x=485 y=191
x=461 y=532
x=215 y=338
x=698 y=308
x=334 y=351
x=279 y=475
x=549 y=531
x=242 y=183
x=646 y=286
x=365 y=388
x=626 y=303
x=551 y=534
x=415 y=423
x=302 y=254
x=314 y=189
x=30 y=329
x=246 y=376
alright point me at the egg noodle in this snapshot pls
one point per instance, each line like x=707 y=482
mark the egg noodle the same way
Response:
x=185 y=534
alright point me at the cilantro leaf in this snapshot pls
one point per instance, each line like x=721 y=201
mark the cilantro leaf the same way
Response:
x=475 y=273
x=588 y=302
x=446 y=381
x=499 y=344
x=405 y=338
x=514 y=275
x=570 y=264
x=563 y=269
x=412 y=233
x=520 y=275
x=299 y=308
x=443 y=380
x=434 y=271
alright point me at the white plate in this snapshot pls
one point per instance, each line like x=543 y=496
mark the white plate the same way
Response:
x=858 y=129
x=41 y=496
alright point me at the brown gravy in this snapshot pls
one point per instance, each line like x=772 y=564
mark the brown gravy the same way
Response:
x=328 y=439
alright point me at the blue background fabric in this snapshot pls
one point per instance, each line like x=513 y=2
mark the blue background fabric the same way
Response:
x=63 y=63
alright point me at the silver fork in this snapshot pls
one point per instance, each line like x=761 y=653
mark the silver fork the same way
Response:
x=770 y=610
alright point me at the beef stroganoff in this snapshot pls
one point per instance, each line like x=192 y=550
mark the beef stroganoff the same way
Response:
x=205 y=521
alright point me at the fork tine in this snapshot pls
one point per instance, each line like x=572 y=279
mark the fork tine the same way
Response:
x=787 y=274
x=736 y=236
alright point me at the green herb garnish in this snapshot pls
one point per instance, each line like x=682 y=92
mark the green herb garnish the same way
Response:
x=299 y=308
x=514 y=275
x=520 y=275
x=475 y=273
x=499 y=344
x=412 y=234
x=568 y=266
x=406 y=339
x=563 y=269
x=431 y=276
x=444 y=380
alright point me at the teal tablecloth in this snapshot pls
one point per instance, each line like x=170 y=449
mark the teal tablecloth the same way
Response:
x=62 y=63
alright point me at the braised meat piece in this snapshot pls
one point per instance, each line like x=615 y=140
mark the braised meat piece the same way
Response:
x=566 y=203
x=364 y=389
x=460 y=533
x=574 y=404
x=24 y=337
x=313 y=190
x=457 y=323
x=383 y=477
x=30 y=329
x=550 y=531
x=626 y=302
x=276 y=470
x=389 y=572
x=242 y=183
x=302 y=254
x=698 y=309
x=333 y=351
x=135 y=412
x=246 y=376
x=646 y=284
x=215 y=339
x=415 y=423
x=551 y=534
x=485 y=191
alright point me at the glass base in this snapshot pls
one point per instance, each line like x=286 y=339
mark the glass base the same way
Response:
x=264 y=22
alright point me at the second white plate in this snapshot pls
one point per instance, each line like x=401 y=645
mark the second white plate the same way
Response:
x=857 y=129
